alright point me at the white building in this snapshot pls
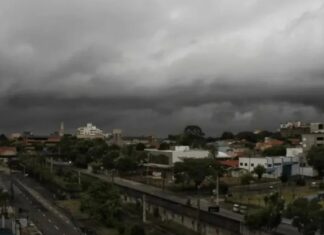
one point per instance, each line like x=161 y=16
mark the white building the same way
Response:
x=312 y=139
x=304 y=168
x=316 y=128
x=167 y=158
x=294 y=152
x=275 y=166
x=292 y=124
x=89 y=132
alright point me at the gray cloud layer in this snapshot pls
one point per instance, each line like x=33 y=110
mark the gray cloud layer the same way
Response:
x=153 y=66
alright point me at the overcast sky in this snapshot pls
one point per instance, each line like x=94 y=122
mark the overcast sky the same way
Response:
x=154 y=66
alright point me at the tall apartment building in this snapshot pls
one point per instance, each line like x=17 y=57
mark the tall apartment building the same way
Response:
x=61 y=130
x=317 y=128
x=292 y=129
x=89 y=132
x=117 y=137
x=312 y=139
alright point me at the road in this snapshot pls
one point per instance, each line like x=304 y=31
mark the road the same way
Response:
x=39 y=210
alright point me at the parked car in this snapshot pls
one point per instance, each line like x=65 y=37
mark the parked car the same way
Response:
x=243 y=209
x=236 y=208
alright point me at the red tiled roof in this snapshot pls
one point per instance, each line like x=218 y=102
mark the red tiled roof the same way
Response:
x=230 y=163
x=8 y=151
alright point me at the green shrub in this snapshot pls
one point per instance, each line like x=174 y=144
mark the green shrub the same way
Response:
x=321 y=185
x=246 y=178
x=300 y=182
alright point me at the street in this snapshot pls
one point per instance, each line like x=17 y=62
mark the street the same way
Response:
x=39 y=210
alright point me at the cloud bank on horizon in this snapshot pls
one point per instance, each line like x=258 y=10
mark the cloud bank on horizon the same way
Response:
x=154 y=66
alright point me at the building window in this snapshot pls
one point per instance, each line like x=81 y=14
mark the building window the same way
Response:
x=252 y=164
x=320 y=126
x=320 y=138
x=269 y=165
x=245 y=164
x=241 y=164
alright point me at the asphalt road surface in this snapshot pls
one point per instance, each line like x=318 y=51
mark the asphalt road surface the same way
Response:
x=49 y=219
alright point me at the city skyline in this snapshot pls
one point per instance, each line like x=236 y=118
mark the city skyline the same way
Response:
x=155 y=67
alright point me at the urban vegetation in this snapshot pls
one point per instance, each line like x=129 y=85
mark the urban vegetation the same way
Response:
x=102 y=201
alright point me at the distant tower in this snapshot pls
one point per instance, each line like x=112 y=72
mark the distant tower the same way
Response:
x=117 y=139
x=61 y=131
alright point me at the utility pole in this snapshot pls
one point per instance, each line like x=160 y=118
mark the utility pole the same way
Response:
x=198 y=209
x=51 y=165
x=144 y=208
x=79 y=177
x=217 y=190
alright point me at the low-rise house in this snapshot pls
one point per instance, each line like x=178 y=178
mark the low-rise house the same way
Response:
x=224 y=152
x=275 y=166
x=8 y=151
x=268 y=143
x=146 y=140
x=163 y=160
x=229 y=163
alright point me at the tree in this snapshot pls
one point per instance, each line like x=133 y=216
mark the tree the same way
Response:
x=4 y=197
x=137 y=230
x=82 y=160
x=213 y=150
x=102 y=202
x=307 y=216
x=315 y=158
x=140 y=147
x=108 y=161
x=227 y=135
x=259 y=170
x=247 y=135
x=269 y=217
x=126 y=164
x=196 y=169
x=275 y=151
x=4 y=141
x=164 y=146
x=193 y=136
x=193 y=131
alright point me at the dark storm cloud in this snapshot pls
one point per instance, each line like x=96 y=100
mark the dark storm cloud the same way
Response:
x=155 y=66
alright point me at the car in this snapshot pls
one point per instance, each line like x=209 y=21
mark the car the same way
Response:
x=314 y=184
x=243 y=209
x=236 y=208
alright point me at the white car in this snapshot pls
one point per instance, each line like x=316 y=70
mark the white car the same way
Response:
x=236 y=208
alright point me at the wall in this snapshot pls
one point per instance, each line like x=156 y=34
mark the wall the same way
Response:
x=294 y=152
x=209 y=224
x=273 y=165
x=309 y=140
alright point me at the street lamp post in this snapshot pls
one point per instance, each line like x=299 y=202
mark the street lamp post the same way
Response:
x=112 y=175
x=198 y=209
